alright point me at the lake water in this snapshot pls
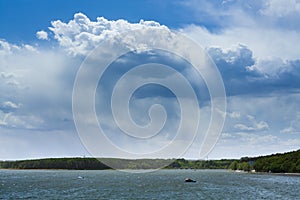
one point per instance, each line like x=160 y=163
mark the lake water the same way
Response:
x=163 y=184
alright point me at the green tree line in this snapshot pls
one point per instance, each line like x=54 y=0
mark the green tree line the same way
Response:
x=279 y=163
x=95 y=164
x=200 y=164
x=55 y=163
x=276 y=163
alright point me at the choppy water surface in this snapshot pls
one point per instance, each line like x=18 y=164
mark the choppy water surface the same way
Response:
x=163 y=184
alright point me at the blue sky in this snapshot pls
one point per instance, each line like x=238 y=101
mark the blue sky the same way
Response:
x=253 y=44
x=34 y=15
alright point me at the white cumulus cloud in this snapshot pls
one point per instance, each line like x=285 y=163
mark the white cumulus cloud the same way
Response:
x=9 y=104
x=81 y=35
x=278 y=8
x=42 y=35
x=234 y=115
x=294 y=126
x=254 y=125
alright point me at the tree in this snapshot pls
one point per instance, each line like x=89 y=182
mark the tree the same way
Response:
x=246 y=166
x=233 y=165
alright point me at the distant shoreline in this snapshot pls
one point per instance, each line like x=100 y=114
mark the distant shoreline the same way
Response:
x=241 y=172
x=267 y=173
x=286 y=164
x=278 y=174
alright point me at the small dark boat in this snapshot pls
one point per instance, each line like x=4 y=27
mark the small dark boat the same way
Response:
x=189 y=180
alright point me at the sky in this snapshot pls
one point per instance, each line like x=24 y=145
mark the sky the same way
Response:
x=254 y=46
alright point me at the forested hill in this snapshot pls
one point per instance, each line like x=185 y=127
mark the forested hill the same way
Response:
x=279 y=163
x=276 y=163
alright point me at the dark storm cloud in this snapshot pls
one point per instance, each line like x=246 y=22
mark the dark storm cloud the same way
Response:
x=243 y=74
